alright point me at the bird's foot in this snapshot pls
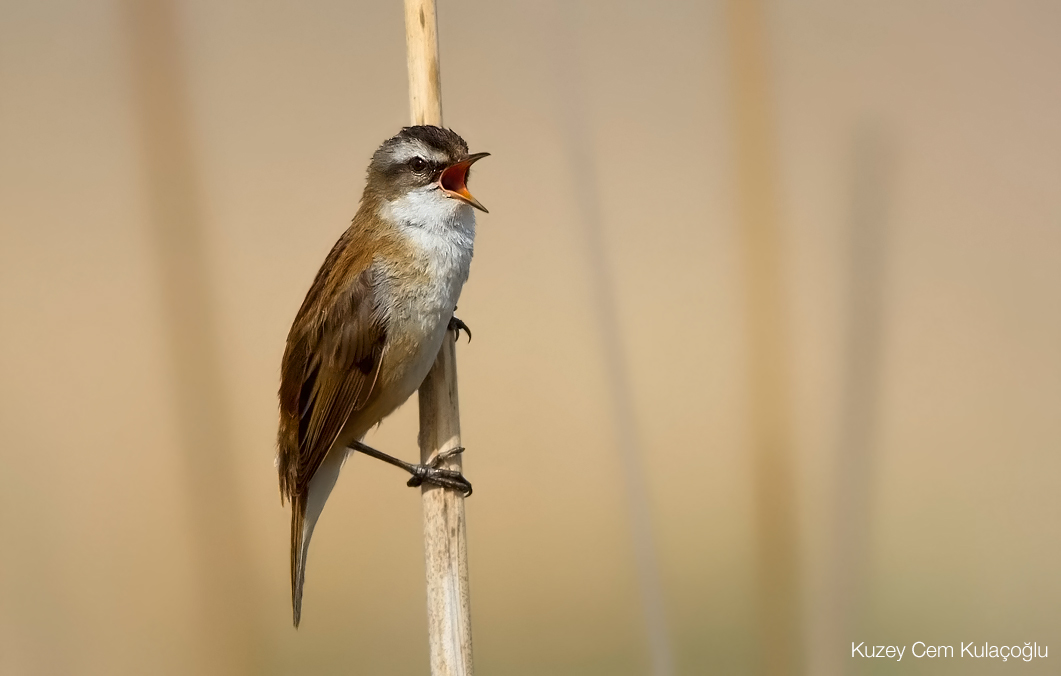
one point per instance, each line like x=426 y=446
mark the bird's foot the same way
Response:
x=431 y=473
x=456 y=325
x=428 y=473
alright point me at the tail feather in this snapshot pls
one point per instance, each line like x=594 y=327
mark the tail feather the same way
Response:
x=305 y=510
x=298 y=555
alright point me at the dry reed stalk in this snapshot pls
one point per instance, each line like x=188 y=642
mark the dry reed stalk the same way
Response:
x=445 y=547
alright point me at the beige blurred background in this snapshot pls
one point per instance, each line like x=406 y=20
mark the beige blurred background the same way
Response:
x=804 y=258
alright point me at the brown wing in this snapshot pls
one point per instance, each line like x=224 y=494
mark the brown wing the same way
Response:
x=329 y=370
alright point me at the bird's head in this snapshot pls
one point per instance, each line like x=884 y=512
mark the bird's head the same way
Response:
x=423 y=168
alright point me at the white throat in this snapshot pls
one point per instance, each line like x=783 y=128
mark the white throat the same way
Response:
x=428 y=209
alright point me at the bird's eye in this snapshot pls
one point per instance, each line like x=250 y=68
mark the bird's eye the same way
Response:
x=417 y=164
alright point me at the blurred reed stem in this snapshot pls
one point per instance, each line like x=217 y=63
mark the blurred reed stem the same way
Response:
x=576 y=127
x=851 y=525
x=178 y=234
x=755 y=157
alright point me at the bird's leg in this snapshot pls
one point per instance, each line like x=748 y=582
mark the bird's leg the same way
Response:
x=456 y=325
x=429 y=473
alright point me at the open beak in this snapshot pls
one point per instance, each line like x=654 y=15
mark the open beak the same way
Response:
x=454 y=181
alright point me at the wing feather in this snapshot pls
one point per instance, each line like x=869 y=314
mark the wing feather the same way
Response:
x=330 y=367
x=329 y=372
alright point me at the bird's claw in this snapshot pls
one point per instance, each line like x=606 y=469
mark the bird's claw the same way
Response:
x=446 y=478
x=456 y=325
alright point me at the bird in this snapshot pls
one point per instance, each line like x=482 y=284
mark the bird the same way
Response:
x=373 y=321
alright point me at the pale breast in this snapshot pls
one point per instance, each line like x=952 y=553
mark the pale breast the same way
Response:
x=422 y=288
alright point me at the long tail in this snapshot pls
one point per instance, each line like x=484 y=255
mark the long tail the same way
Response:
x=298 y=555
x=305 y=510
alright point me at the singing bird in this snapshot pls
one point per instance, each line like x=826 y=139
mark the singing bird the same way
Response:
x=373 y=321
